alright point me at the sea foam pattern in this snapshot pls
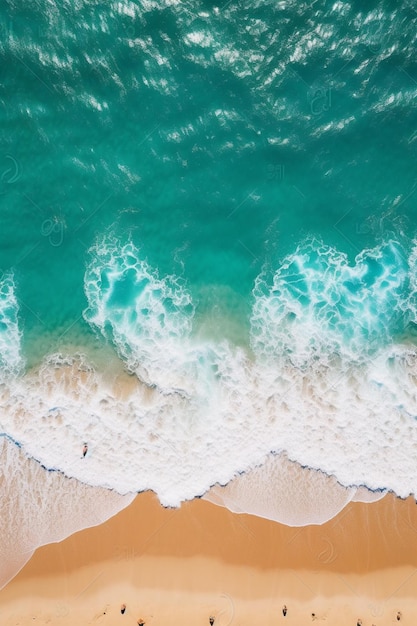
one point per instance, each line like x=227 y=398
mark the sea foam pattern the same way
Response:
x=222 y=410
x=147 y=318
x=11 y=361
x=320 y=305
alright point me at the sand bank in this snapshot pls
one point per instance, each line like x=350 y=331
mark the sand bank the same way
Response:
x=183 y=565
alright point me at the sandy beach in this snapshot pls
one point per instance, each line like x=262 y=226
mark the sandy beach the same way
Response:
x=171 y=566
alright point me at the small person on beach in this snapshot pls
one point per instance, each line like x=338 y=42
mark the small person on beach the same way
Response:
x=85 y=449
x=284 y=610
x=398 y=616
x=359 y=622
x=123 y=609
x=313 y=616
x=211 y=620
x=141 y=622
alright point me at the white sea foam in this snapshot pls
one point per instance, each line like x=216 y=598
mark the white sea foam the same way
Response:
x=320 y=305
x=318 y=386
x=148 y=315
x=11 y=361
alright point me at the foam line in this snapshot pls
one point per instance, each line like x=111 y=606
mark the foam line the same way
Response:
x=194 y=413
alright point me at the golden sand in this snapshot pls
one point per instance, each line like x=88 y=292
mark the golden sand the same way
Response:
x=182 y=566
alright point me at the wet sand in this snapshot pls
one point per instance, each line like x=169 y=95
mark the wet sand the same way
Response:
x=173 y=566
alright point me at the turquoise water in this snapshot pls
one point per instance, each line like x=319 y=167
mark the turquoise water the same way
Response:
x=215 y=138
x=208 y=251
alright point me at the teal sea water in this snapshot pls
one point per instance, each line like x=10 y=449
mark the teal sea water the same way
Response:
x=215 y=138
x=221 y=198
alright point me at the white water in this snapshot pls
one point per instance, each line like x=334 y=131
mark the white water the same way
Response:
x=194 y=413
x=11 y=361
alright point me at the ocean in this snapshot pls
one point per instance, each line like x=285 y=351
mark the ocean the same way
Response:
x=208 y=258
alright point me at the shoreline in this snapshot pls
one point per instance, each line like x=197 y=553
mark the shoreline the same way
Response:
x=188 y=563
